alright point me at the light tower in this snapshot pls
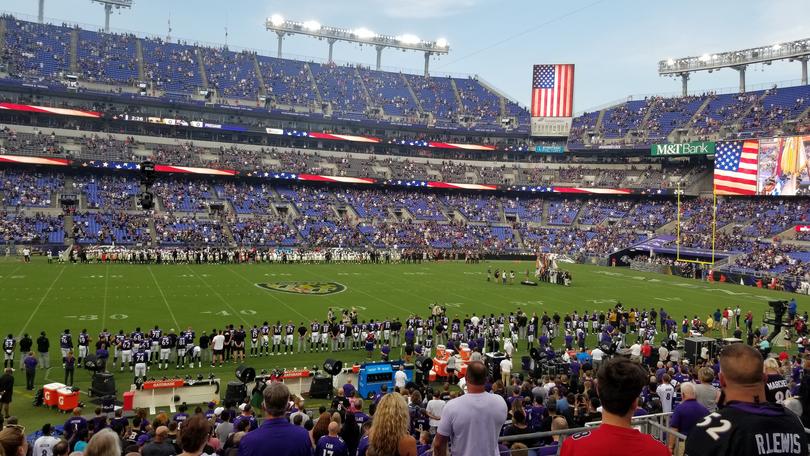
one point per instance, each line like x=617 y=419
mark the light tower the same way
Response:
x=108 y=7
x=282 y=28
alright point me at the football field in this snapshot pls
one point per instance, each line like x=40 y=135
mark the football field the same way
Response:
x=51 y=297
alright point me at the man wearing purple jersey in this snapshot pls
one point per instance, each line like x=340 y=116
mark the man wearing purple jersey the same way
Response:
x=331 y=444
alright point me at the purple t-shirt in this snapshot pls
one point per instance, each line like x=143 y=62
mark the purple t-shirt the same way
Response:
x=276 y=436
x=362 y=447
x=687 y=414
x=548 y=450
x=331 y=446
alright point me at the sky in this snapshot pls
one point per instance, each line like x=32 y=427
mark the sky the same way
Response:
x=615 y=44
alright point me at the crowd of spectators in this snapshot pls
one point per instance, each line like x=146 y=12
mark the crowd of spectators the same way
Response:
x=111 y=228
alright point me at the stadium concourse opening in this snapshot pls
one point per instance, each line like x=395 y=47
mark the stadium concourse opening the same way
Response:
x=208 y=249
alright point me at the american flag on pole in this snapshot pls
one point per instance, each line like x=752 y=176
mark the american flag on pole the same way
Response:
x=553 y=90
x=735 y=167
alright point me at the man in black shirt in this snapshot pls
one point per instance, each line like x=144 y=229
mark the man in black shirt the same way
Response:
x=25 y=346
x=205 y=354
x=746 y=424
x=43 y=346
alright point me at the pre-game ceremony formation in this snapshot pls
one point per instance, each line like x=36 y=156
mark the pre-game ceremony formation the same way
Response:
x=387 y=228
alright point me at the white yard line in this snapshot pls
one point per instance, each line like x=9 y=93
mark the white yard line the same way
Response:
x=219 y=296
x=36 y=309
x=163 y=295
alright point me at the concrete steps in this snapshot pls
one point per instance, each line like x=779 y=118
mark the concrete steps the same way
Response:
x=139 y=59
x=259 y=77
x=74 y=50
x=201 y=66
x=315 y=88
x=413 y=94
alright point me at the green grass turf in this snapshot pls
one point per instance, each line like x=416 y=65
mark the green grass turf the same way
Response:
x=39 y=296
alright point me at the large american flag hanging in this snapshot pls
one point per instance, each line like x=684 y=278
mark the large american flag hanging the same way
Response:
x=553 y=90
x=735 y=167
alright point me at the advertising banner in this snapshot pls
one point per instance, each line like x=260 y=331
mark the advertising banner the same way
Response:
x=677 y=149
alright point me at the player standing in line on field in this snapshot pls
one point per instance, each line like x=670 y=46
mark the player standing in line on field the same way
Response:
x=302 y=338
x=289 y=335
x=181 y=351
x=265 y=350
x=65 y=344
x=218 y=347
x=116 y=344
x=141 y=361
x=165 y=351
x=126 y=353
x=8 y=351
x=154 y=339
x=254 y=341
x=238 y=343
x=277 y=330
x=84 y=344
x=324 y=336
x=314 y=335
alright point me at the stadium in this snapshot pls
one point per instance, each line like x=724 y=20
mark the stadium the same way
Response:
x=215 y=250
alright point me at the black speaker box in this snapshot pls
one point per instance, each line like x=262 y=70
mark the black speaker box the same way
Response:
x=332 y=366
x=321 y=387
x=103 y=384
x=236 y=392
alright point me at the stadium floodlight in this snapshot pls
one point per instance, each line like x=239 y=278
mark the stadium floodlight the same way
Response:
x=312 y=26
x=409 y=39
x=108 y=7
x=276 y=19
x=739 y=60
x=362 y=35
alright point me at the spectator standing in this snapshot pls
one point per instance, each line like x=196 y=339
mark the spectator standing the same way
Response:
x=13 y=441
x=160 y=444
x=390 y=428
x=666 y=392
x=276 y=436
x=400 y=378
x=434 y=411
x=705 y=392
x=43 y=347
x=619 y=384
x=471 y=423
x=6 y=391
x=43 y=446
x=506 y=370
x=30 y=362
x=194 y=435
x=687 y=414
x=103 y=443
x=746 y=424
x=331 y=444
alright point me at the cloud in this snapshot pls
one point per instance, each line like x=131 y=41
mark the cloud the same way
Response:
x=424 y=9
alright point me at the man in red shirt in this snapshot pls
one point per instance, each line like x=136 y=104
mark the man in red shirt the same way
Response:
x=619 y=384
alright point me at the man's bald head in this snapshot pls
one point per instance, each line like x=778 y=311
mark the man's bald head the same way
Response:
x=687 y=390
x=161 y=432
x=334 y=428
x=741 y=365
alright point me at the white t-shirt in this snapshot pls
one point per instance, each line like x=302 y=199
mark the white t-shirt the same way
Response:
x=218 y=342
x=666 y=392
x=43 y=446
x=508 y=347
x=435 y=407
x=473 y=423
x=506 y=366
x=400 y=378
x=635 y=350
x=597 y=354
x=474 y=320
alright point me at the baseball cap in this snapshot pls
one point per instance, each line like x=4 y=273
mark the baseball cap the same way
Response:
x=218 y=411
x=243 y=407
